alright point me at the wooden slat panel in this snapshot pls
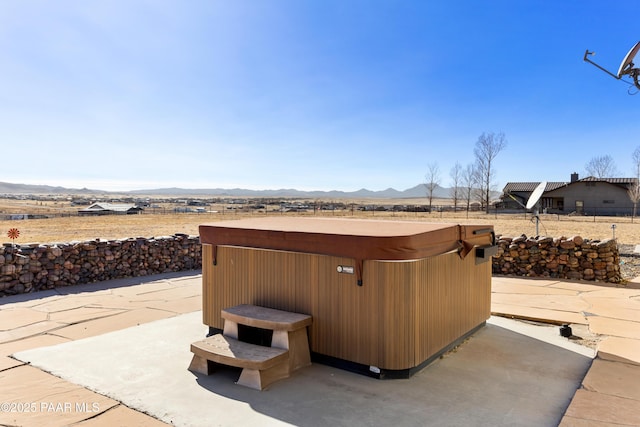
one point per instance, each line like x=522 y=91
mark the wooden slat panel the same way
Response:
x=274 y=279
x=452 y=297
x=396 y=284
x=405 y=312
x=346 y=323
x=207 y=285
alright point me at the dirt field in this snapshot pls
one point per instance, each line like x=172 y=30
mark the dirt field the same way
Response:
x=77 y=228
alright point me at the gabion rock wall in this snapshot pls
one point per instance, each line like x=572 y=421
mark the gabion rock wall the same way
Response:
x=559 y=258
x=29 y=268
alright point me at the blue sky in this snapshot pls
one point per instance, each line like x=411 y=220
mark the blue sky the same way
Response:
x=313 y=95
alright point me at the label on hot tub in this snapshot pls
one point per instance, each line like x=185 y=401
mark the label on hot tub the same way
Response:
x=347 y=269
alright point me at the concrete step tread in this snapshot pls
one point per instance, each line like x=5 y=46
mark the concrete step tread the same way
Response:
x=266 y=318
x=229 y=351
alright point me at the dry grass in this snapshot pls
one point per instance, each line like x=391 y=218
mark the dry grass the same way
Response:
x=148 y=225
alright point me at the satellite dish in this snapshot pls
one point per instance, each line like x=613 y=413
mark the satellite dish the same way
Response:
x=536 y=194
x=626 y=67
x=533 y=199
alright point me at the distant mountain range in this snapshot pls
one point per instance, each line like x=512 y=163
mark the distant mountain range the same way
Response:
x=9 y=188
x=419 y=191
x=390 y=193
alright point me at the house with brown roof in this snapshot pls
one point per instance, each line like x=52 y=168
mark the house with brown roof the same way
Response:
x=587 y=196
x=516 y=194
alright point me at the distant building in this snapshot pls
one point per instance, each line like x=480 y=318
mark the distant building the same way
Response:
x=110 y=209
x=80 y=202
x=516 y=194
x=196 y=203
x=587 y=196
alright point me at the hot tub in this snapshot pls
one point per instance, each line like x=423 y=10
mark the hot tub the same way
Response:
x=386 y=297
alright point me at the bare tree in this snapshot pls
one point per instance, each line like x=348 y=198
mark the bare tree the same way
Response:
x=634 y=189
x=468 y=183
x=432 y=180
x=634 y=195
x=488 y=146
x=602 y=167
x=478 y=192
x=636 y=161
x=456 y=177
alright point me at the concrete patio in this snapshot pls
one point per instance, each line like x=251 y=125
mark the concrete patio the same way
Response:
x=604 y=315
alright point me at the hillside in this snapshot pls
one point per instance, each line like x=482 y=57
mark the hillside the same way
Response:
x=418 y=191
x=10 y=188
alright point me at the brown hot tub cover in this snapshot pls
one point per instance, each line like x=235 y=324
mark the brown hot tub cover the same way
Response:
x=351 y=238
